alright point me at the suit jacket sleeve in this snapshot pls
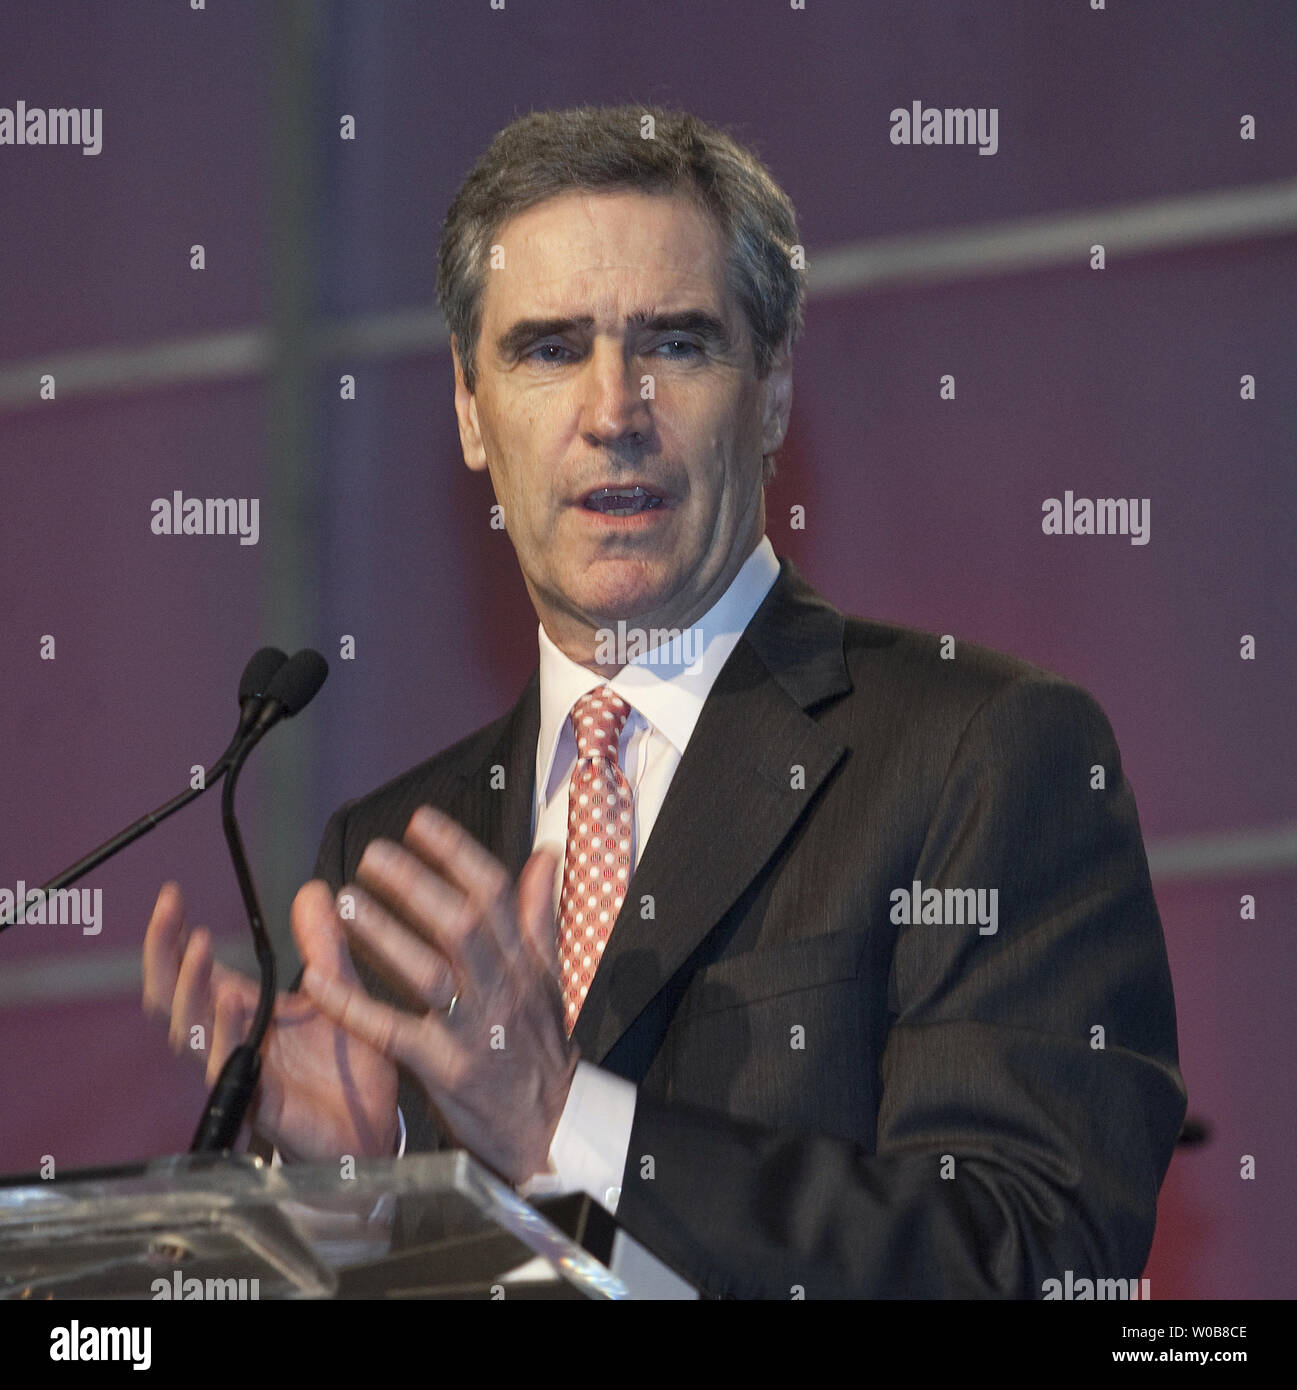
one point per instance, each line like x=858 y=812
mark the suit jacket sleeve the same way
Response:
x=1014 y=1141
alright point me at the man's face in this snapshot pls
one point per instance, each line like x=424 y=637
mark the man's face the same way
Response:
x=619 y=413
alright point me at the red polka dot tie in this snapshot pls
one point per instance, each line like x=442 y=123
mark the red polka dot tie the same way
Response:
x=596 y=867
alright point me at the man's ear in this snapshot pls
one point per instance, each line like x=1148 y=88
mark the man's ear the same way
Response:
x=470 y=436
x=776 y=406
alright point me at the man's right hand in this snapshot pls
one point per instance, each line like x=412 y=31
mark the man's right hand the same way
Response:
x=322 y=1092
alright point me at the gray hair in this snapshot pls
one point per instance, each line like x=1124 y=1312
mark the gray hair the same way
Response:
x=602 y=148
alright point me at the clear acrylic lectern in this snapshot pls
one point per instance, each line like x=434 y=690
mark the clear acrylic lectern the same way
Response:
x=433 y=1225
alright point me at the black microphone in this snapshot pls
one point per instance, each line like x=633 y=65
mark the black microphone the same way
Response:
x=257 y=676
x=254 y=695
x=293 y=687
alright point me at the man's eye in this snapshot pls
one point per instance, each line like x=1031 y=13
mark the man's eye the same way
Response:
x=684 y=346
x=548 y=352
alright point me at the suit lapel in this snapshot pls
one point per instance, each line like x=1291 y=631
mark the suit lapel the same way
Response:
x=499 y=817
x=730 y=805
x=732 y=802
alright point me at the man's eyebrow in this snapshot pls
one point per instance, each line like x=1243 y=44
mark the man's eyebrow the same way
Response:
x=698 y=321
x=511 y=342
x=708 y=326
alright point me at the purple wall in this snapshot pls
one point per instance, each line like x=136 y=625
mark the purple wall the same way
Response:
x=919 y=511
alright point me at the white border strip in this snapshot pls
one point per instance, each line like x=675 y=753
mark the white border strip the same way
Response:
x=1005 y=247
x=113 y=371
x=89 y=974
x=1236 y=214
x=1223 y=854
x=102 y=974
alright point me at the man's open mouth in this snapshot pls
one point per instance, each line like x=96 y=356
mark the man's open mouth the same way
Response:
x=622 y=501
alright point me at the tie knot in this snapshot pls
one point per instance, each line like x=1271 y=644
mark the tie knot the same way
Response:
x=598 y=718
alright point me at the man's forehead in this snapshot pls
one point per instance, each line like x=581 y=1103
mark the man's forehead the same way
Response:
x=610 y=254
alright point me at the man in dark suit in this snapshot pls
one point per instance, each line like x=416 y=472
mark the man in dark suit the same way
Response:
x=833 y=965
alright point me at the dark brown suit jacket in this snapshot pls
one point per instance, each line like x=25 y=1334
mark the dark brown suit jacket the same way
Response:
x=830 y=1100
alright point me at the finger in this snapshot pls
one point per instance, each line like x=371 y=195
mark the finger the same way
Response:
x=191 y=1005
x=447 y=847
x=425 y=903
x=536 y=906
x=227 y=1031
x=247 y=990
x=318 y=933
x=164 y=943
x=385 y=1029
x=419 y=973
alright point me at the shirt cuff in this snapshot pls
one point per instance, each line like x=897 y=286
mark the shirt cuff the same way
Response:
x=589 y=1148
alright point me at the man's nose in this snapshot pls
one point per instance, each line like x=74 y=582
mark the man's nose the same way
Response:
x=613 y=406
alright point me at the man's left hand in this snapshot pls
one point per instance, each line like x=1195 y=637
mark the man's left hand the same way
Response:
x=440 y=920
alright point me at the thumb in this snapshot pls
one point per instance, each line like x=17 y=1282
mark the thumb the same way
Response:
x=318 y=932
x=536 y=904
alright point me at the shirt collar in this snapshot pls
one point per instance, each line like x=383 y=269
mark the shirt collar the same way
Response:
x=668 y=684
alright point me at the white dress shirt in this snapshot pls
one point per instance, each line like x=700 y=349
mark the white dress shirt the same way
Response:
x=589 y=1148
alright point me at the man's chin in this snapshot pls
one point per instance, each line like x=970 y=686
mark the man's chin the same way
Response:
x=624 y=590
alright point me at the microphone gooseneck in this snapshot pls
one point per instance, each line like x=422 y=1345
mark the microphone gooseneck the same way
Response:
x=291 y=689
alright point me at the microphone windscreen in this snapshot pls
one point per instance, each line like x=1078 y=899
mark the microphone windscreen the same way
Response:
x=259 y=672
x=297 y=680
